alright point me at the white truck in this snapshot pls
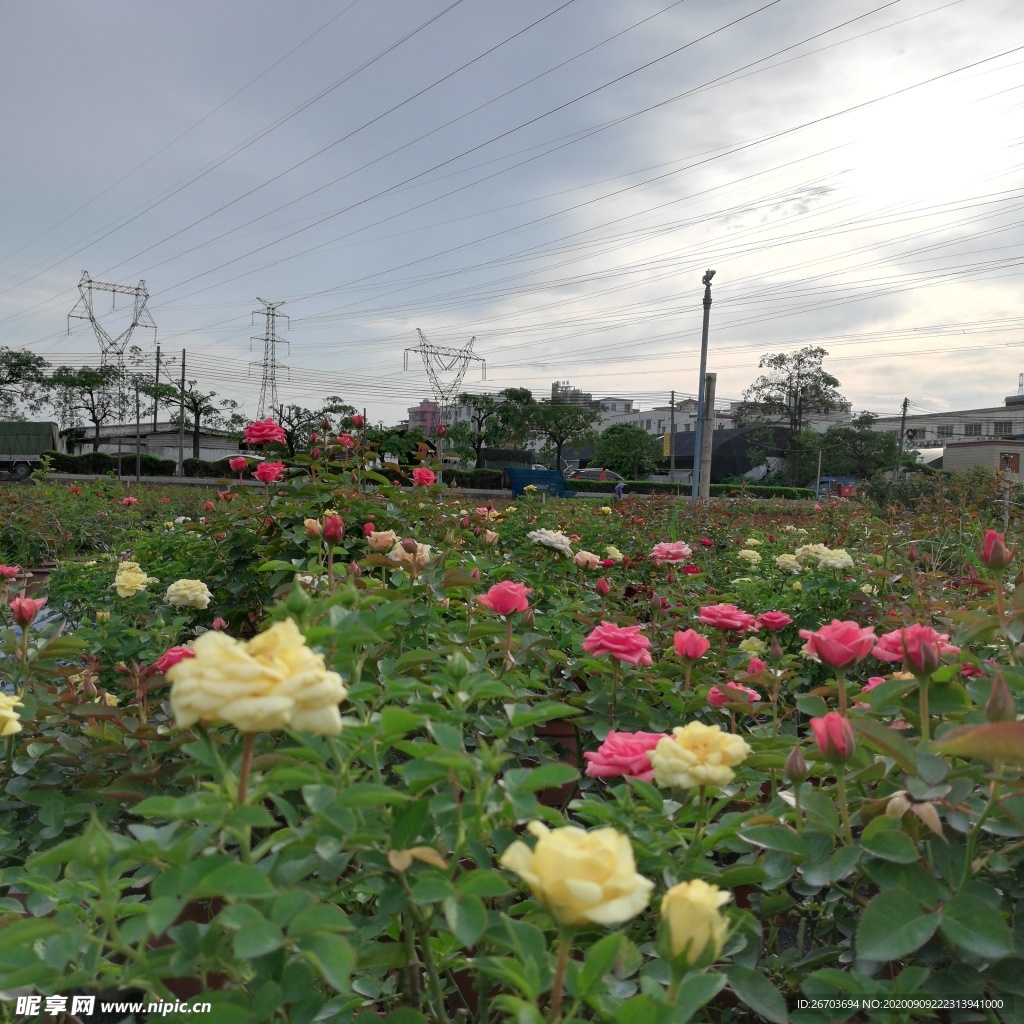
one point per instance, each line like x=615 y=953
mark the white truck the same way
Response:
x=21 y=445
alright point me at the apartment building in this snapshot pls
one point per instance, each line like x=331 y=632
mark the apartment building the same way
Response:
x=936 y=429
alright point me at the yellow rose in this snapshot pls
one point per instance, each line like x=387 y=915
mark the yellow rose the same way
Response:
x=605 y=510
x=614 y=553
x=381 y=540
x=313 y=527
x=188 y=594
x=789 y=563
x=102 y=616
x=10 y=720
x=798 y=587
x=697 y=755
x=696 y=928
x=581 y=877
x=271 y=682
x=130 y=579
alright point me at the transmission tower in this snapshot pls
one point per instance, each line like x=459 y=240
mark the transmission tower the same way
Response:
x=268 y=388
x=112 y=349
x=446 y=368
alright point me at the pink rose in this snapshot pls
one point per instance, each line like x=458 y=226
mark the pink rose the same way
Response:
x=368 y=528
x=506 y=597
x=670 y=553
x=264 y=432
x=872 y=682
x=995 y=554
x=603 y=588
x=238 y=463
x=691 y=644
x=129 y=501
x=358 y=420
x=26 y=609
x=8 y=572
x=172 y=656
x=706 y=541
x=840 y=644
x=268 y=472
x=423 y=477
x=623 y=753
x=622 y=642
x=773 y=620
x=586 y=560
x=755 y=667
x=919 y=647
x=219 y=624
x=208 y=505
x=345 y=440
x=834 y=736
x=732 y=693
x=726 y=616
x=333 y=529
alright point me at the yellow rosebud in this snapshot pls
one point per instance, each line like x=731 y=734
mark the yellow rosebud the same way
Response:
x=271 y=682
x=798 y=586
x=102 y=616
x=313 y=527
x=697 y=755
x=581 y=877
x=10 y=720
x=696 y=928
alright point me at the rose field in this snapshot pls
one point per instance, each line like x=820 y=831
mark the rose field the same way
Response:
x=330 y=749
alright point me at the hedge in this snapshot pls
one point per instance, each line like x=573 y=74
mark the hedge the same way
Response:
x=214 y=470
x=717 y=490
x=481 y=479
x=101 y=463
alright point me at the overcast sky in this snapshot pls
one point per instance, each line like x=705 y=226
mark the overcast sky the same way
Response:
x=551 y=177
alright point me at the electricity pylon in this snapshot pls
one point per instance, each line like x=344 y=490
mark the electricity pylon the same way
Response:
x=446 y=368
x=268 y=386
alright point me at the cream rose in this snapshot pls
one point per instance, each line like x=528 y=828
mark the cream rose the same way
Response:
x=10 y=720
x=696 y=928
x=417 y=558
x=697 y=755
x=130 y=579
x=271 y=682
x=188 y=594
x=581 y=877
x=381 y=540
x=553 y=539
x=586 y=559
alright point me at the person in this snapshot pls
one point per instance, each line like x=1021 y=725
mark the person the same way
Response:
x=602 y=477
x=619 y=488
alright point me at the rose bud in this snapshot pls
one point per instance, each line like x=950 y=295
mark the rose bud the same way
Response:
x=834 y=737
x=602 y=587
x=314 y=453
x=795 y=768
x=995 y=554
x=219 y=624
x=358 y=420
x=409 y=545
x=313 y=528
x=325 y=425
x=1000 y=706
x=333 y=529
x=354 y=569
x=26 y=609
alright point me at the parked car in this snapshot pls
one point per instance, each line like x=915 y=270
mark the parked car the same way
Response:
x=592 y=473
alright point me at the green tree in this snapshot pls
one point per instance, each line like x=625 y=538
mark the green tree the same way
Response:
x=561 y=423
x=23 y=382
x=481 y=430
x=89 y=390
x=795 y=387
x=627 y=449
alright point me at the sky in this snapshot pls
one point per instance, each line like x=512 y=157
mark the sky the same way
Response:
x=549 y=178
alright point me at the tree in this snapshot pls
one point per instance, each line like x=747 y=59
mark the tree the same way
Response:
x=795 y=387
x=91 y=390
x=23 y=381
x=562 y=423
x=469 y=437
x=627 y=449
x=300 y=423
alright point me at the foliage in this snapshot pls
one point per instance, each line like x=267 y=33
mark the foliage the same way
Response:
x=101 y=463
x=628 y=450
x=22 y=379
x=685 y=490
x=561 y=423
x=89 y=390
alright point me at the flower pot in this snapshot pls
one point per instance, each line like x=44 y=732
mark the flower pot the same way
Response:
x=563 y=735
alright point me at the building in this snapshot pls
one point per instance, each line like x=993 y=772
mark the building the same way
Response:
x=426 y=416
x=658 y=421
x=561 y=391
x=1002 y=456
x=819 y=419
x=161 y=441
x=934 y=429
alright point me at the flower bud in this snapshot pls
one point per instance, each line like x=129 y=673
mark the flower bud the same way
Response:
x=313 y=528
x=1000 y=706
x=219 y=624
x=354 y=570
x=314 y=453
x=795 y=769
x=333 y=529
x=602 y=587
x=26 y=609
x=775 y=652
x=409 y=545
x=528 y=616
x=693 y=930
x=834 y=737
x=358 y=420
x=313 y=437
x=995 y=555
x=475 y=574
x=440 y=430
x=208 y=505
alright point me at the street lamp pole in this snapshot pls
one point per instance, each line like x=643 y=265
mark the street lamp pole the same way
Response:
x=698 y=436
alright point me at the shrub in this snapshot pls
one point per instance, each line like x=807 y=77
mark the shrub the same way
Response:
x=101 y=463
x=717 y=490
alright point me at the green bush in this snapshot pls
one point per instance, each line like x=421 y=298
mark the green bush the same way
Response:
x=717 y=490
x=481 y=479
x=101 y=463
x=212 y=470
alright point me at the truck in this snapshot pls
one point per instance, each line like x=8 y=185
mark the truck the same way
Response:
x=22 y=444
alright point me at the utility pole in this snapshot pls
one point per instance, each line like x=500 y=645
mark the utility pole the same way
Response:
x=698 y=437
x=181 y=420
x=156 y=388
x=138 y=434
x=903 y=432
x=672 y=440
x=707 y=436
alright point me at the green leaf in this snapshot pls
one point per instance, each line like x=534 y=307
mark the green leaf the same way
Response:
x=431 y=887
x=484 y=883
x=837 y=867
x=642 y=1009
x=321 y=917
x=600 y=959
x=974 y=925
x=332 y=956
x=258 y=940
x=886 y=741
x=696 y=991
x=467 y=918
x=754 y=989
x=549 y=775
x=24 y=933
x=395 y=722
x=893 y=925
x=241 y=880
x=775 y=837
x=886 y=839
x=995 y=742
x=409 y=824
x=369 y=794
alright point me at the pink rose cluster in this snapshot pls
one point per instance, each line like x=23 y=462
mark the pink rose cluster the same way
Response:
x=623 y=754
x=624 y=643
x=671 y=553
x=727 y=617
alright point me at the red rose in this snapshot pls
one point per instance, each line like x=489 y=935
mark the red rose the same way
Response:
x=691 y=570
x=622 y=642
x=506 y=597
x=726 y=616
x=264 y=432
x=920 y=648
x=268 y=472
x=691 y=644
x=602 y=587
x=773 y=620
x=172 y=656
x=623 y=753
x=358 y=420
x=840 y=644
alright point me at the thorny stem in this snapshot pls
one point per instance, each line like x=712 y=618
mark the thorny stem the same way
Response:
x=243 y=773
x=841 y=680
x=558 y=982
x=844 y=809
x=923 y=683
x=972 y=836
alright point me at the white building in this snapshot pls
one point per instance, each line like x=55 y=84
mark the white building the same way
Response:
x=162 y=442
x=935 y=429
x=658 y=421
